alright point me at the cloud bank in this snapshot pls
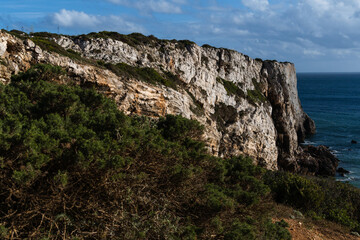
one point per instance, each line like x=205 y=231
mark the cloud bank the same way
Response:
x=150 y=6
x=80 y=20
x=257 y=5
x=71 y=18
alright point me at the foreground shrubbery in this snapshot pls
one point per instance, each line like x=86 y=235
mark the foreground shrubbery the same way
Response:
x=73 y=166
x=320 y=198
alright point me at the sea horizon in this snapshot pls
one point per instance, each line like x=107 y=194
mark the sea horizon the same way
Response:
x=332 y=100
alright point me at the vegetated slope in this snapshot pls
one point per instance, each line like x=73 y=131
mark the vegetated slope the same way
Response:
x=73 y=166
x=247 y=106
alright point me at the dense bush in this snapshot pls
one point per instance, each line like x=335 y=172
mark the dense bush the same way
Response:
x=71 y=164
x=240 y=231
x=318 y=197
x=277 y=230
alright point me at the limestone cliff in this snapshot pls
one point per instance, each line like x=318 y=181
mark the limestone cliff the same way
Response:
x=248 y=106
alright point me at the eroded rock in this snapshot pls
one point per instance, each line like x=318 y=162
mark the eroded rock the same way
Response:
x=317 y=160
x=248 y=106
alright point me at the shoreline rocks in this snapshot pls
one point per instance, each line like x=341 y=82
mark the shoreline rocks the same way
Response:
x=341 y=171
x=317 y=160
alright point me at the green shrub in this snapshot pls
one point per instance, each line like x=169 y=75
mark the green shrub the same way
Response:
x=189 y=232
x=298 y=191
x=61 y=145
x=245 y=179
x=216 y=199
x=54 y=120
x=178 y=128
x=231 y=88
x=240 y=231
x=46 y=35
x=51 y=46
x=146 y=74
x=277 y=231
x=255 y=96
x=62 y=178
x=133 y=39
x=217 y=224
x=342 y=216
x=318 y=198
x=3 y=231
x=45 y=72
x=3 y=62
x=198 y=107
x=26 y=175
x=17 y=33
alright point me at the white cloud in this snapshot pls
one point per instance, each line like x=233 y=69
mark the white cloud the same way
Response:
x=243 y=18
x=66 y=18
x=257 y=5
x=159 y=6
x=241 y=32
x=319 y=6
x=119 y=24
x=74 y=19
x=312 y=52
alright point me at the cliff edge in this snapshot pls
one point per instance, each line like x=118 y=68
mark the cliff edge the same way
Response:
x=248 y=106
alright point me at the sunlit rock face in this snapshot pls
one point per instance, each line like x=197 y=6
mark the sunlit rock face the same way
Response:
x=247 y=106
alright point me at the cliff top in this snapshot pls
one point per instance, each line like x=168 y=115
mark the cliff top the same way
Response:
x=132 y=39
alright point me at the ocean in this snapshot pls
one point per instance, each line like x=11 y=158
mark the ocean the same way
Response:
x=332 y=100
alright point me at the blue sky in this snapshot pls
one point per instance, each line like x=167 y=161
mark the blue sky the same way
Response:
x=317 y=35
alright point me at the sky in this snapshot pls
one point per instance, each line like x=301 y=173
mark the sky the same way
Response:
x=316 y=35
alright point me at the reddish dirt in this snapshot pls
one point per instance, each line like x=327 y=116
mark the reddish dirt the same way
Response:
x=310 y=231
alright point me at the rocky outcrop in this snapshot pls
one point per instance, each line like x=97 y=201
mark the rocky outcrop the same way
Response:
x=318 y=160
x=248 y=106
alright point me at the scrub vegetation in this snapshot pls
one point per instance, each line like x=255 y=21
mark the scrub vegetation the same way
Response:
x=255 y=96
x=72 y=166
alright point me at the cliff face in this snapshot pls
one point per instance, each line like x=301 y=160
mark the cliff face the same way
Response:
x=248 y=106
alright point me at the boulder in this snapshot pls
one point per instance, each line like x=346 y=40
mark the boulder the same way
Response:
x=342 y=170
x=317 y=160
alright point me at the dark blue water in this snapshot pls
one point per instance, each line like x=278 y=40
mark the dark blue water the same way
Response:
x=332 y=100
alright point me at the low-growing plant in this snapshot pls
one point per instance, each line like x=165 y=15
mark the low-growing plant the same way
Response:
x=217 y=200
x=178 y=128
x=3 y=62
x=255 y=96
x=277 y=230
x=240 y=231
x=3 y=231
x=317 y=197
x=51 y=46
x=146 y=74
x=296 y=190
x=231 y=88
x=73 y=165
